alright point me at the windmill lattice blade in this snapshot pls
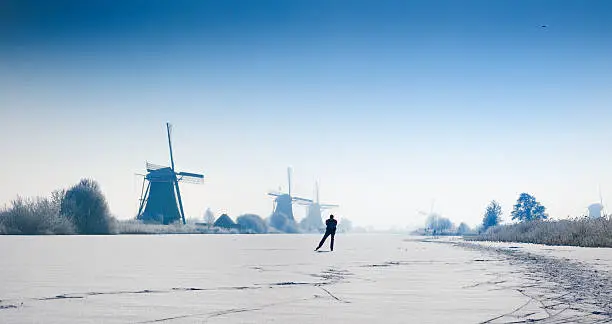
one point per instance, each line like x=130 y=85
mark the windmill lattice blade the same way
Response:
x=329 y=206
x=153 y=167
x=190 y=177
x=298 y=199
x=191 y=180
x=303 y=203
x=193 y=175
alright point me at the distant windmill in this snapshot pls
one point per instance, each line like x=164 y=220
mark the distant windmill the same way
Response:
x=433 y=219
x=431 y=211
x=313 y=220
x=161 y=200
x=596 y=210
x=283 y=204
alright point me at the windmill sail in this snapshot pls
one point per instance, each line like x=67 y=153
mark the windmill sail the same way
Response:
x=328 y=206
x=190 y=177
x=302 y=200
x=152 y=167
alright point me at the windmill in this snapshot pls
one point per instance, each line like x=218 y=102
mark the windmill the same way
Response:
x=596 y=210
x=282 y=214
x=161 y=200
x=433 y=218
x=313 y=221
x=431 y=210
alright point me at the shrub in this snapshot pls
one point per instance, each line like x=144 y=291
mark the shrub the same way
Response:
x=209 y=217
x=85 y=205
x=345 y=225
x=577 y=232
x=438 y=224
x=34 y=216
x=463 y=229
x=250 y=223
x=283 y=223
x=139 y=227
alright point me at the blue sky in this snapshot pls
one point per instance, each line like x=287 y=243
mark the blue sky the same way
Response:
x=390 y=104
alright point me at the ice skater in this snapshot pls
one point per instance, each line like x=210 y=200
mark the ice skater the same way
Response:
x=330 y=230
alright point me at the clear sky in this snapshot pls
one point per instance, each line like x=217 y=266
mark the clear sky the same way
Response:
x=390 y=104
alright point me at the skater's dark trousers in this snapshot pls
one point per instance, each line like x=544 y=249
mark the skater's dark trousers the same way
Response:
x=328 y=232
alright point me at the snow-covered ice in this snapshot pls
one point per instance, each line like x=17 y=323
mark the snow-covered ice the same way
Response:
x=598 y=258
x=265 y=279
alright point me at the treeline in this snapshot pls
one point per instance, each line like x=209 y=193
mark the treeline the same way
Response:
x=254 y=224
x=81 y=209
x=438 y=225
x=526 y=209
x=587 y=232
x=534 y=226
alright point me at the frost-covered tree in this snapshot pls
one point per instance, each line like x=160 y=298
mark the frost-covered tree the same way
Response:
x=209 y=217
x=250 y=223
x=492 y=216
x=438 y=223
x=283 y=223
x=527 y=208
x=463 y=229
x=86 y=207
x=345 y=225
x=34 y=216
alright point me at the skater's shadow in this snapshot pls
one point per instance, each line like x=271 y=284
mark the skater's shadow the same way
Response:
x=323 y=251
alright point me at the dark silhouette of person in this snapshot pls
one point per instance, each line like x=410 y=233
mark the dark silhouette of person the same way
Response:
x=330 y=230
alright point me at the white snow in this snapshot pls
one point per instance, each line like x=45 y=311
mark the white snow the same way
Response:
x=251 y=279
x=598 y=258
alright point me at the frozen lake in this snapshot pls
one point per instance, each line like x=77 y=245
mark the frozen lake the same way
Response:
x=257 y=279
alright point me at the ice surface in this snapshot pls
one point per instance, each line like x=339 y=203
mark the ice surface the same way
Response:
x=259 y=279
x=598 y=258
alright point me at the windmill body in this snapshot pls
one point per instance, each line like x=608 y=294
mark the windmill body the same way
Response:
x=313 y=222
x=161 y=201
x=595 y=210
x=160 y=205
x=283 y=205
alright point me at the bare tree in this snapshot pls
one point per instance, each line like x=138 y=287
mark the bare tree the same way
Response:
x=209 y=217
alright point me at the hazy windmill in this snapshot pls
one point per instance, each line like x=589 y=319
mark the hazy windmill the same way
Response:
x=431 y=210
x=313 y=220
x=161 y=200
x=282 y=214
x=433 y=219
x=596 y=210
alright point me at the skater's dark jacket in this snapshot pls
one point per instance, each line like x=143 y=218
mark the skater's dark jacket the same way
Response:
x=331 y=224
